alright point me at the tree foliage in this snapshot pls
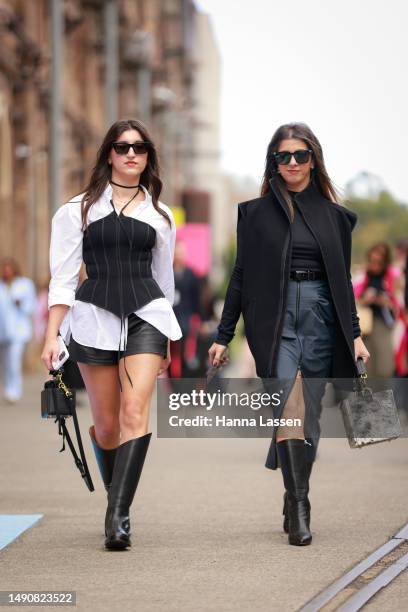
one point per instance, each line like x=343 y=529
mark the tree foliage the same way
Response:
x=380 y=219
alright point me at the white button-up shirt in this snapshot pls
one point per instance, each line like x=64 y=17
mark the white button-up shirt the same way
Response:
x=91 y=325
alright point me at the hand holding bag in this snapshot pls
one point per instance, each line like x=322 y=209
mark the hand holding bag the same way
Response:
x=369 y=417
x=58 y=401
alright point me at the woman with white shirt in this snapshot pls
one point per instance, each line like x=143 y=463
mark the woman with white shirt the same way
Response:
x=17 y=303
x=119 y=322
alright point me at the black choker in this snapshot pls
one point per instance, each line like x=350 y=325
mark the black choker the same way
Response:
x=124 y=186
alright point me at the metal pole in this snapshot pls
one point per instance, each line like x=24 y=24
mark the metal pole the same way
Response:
x=144 y=93
x=111 y=61
x=57 y=33
x=32 y=216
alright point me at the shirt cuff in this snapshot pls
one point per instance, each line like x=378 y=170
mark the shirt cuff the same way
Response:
x=61 y=296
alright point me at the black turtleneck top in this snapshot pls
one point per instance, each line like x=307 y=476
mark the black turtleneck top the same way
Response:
x=306 y=254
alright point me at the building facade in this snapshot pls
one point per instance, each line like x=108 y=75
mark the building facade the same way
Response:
x=155 y=82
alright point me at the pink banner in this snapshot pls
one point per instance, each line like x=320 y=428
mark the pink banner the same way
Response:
x=197 y=240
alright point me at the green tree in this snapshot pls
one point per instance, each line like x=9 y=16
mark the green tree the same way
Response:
x=380 y=219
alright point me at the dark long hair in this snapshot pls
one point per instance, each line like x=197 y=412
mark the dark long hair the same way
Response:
x=102 y=171
x=319 y=173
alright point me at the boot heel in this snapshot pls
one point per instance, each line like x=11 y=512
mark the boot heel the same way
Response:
x=299 y=515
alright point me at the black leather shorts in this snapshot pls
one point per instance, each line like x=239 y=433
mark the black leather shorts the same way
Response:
x=142 y=338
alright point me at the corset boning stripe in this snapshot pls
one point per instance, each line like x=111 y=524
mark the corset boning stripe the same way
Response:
x=96 y=266
x=140 y=274
x=130 y=266
x=106 y=261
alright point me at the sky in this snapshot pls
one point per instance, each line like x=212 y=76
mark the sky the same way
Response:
x=339 y=66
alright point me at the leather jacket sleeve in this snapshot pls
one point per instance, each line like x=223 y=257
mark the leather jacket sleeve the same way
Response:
x=232 y=304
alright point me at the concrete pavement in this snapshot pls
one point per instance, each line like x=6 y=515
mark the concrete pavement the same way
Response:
x=206 y=521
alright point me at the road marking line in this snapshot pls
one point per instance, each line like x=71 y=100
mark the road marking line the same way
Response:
x=13 y=525
x=365 y=592
x=357 y=601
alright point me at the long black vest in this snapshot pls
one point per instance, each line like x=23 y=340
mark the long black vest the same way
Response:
x=117 y=252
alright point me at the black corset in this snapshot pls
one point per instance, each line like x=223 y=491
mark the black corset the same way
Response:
x=117 y=252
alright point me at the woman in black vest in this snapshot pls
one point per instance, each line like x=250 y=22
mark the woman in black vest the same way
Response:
x=292 y=283
x=118 y=323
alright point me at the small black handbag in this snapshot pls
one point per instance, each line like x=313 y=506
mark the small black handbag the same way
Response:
x=58 y=402
x=369 y=417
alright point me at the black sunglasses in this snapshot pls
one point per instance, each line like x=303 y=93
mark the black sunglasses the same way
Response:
x=301 y=156
x=139 y=147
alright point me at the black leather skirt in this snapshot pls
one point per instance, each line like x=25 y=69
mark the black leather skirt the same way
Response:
x=142 y=338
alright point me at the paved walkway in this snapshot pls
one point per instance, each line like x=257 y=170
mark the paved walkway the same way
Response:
x=206 y=521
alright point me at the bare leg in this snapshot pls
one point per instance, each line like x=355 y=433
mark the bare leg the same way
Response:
x=135 y=400
x=102 y=386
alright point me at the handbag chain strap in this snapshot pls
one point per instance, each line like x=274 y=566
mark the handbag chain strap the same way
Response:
x=62 y=385
x=363 y=380
x=362 y=388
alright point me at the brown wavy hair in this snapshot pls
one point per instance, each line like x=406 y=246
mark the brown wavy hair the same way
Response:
x=318 y=175
x=102 y=171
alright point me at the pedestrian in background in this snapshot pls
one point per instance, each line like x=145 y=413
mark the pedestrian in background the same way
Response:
x=292 y=283
x=184 y=362
x=400 y=336
x=119 y=322
x=400 y=256
x=375 y=290
x=208 y=324
x=17 y=303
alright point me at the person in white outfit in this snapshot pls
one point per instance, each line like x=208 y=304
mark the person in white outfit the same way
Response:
x=118 y=324
x=17 y=303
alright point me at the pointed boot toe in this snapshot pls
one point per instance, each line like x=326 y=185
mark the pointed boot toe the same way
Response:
x=117 y=529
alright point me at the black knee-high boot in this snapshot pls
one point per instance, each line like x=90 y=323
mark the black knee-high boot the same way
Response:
x=296 y=460
x=128 y=467
x=105 y=459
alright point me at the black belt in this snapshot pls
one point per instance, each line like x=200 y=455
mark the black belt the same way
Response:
x=304 y=275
